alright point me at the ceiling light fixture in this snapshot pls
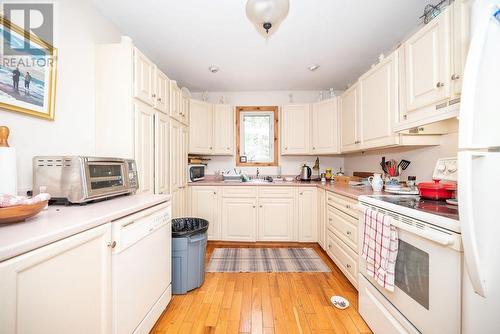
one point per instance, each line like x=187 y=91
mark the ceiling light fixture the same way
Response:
x=266 y=14
x=214 y=69
x=313 y=67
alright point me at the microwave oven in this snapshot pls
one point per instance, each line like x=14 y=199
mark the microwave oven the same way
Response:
x=196 y=173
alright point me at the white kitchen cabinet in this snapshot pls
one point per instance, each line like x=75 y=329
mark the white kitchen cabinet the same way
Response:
x=64 y=287
x=460 y=42
x=427 y=64
x=378 y=89
x=175 y=154
x=201 y=127
x=307 y=214
x=162 y=158
x=276 y=219
x=144 y=146
x=322 y=218
x=178 y=171
x=350 y=119
x=175 y=101
x=144 y=72
x=295 y=129
x=325 y=127
x=239 y=219
x=204 y=203
x=223 y=129
x=162 y=92
x=185 y=109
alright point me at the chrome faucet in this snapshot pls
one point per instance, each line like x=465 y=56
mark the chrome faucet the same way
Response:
x=258 y=172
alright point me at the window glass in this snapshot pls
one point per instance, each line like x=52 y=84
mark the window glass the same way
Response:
x=256 y=141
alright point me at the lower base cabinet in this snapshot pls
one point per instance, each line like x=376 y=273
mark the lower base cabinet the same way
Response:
x=204 y=203
x=239 y=219
x=180 y=202
x=307 y=214
x=276 y=219
x=70 y=280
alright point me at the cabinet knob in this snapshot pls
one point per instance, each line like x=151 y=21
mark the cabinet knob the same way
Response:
x=314 y=148
x=228 y=148
x=440 y=84
x=329 y=246
x=301 y=194
x=405 y=117
x=260 y=206
x=153 y=95
x=215 y=193
x=210 y=147
x=348 y=265
x=286 y=148
x=330 y=219
x=348 y=232
x=159 y=99
x=455 y=77
x=112 y=244
x=348 y=206
x=254 y=206
x=357 y=142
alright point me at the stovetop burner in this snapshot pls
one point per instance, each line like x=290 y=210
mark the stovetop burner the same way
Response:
x=439 y=208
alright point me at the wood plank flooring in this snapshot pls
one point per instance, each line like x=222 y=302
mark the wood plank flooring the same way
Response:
x=265 y=302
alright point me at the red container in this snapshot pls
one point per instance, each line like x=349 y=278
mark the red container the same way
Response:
x=436 y=190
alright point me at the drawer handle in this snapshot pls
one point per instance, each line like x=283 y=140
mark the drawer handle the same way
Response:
x=112 y=244
x=348 y=266
x=348 y=206
x=455 y=77
x=439 y=84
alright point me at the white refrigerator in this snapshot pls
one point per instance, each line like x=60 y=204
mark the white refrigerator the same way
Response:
x=479 y=172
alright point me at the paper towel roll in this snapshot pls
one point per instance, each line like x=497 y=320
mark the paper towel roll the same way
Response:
x=8 y=171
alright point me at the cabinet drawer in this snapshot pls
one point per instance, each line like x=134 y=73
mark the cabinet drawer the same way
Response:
x=344 y=257
x=344 y=227
x=343 y=203
x=276 y=191
x=239 y=191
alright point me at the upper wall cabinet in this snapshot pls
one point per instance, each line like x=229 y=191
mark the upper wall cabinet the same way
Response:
x=211 y=128
x=223 y=134
x=201 y=127
x=325 y=124
x=432 y=63
x=144 y=72
x=175 y=101
x=349 y=106
x=295 y=129
x=162 y=92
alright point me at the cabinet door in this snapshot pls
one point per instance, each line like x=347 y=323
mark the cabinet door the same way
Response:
x=325 y=126
x=239 y=219
x=276 y=219
x=204 y=204
x=349 y=107
x=295 y=129
x=64 y=287
x=461 y=40
x=144 y=146
x=308 y=214
x=379 y=103
x=162 y=88
x=201 y=127
x=322 y=218
x=162 y=140
x=185 y=109
x=175 y=101
x=183 y=159
x=223 y=129
x=175 y=153
x=143 y=78
x=427 y=64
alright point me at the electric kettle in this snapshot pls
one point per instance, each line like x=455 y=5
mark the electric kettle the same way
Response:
x=305 y=173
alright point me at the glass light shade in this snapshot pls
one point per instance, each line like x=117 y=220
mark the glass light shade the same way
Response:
x=267 y=11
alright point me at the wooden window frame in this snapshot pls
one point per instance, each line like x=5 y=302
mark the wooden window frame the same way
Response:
x=274 y=110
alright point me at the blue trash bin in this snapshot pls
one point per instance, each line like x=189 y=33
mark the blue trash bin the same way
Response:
x=189 y=244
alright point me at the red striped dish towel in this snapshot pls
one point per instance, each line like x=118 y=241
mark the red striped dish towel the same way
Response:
x=380 y=247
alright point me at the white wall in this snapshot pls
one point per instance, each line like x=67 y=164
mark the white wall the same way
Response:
x=290 y=165
x=422 y=160
x=78 y=27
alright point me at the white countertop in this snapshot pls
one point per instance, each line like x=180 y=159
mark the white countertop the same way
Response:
x=59 y=222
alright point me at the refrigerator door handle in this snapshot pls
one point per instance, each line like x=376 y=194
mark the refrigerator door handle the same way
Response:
x=471 y=75
x=469 y=238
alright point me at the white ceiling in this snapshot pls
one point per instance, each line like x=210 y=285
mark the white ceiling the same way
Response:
x=185 y=37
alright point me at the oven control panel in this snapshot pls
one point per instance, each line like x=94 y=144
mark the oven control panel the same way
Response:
x=446 y=169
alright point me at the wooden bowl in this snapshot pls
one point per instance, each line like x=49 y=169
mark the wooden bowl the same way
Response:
x=19 y=213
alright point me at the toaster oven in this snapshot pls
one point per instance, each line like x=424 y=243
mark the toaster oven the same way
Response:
x=80 y=179
x=196 y=173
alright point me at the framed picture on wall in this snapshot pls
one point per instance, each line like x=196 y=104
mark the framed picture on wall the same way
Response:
x=27 y=72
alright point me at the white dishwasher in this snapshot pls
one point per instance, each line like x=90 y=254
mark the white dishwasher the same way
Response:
x=141 y=265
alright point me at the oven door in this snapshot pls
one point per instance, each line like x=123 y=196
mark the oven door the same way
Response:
x=427 y=283
x=106 y=177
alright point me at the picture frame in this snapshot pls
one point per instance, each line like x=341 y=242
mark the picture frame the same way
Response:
x=27 y=78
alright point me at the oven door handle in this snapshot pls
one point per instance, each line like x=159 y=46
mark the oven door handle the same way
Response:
x=438 y=237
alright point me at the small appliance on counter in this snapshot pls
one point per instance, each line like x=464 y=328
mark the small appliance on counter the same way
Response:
x=81 y=179
x=445 y=170
x=305 y=173
x=196 y=172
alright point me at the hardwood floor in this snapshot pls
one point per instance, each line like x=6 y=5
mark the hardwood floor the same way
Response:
x=265 y=302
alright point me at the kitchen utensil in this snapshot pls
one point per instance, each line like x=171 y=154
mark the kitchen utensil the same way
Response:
x=19 y=213
x=403 y=164
x=376 y=182
x=8 y=170
x=436 y=190
x=383 y=165
x=305 y=173
x=411 y=181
